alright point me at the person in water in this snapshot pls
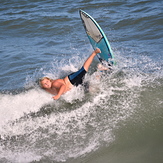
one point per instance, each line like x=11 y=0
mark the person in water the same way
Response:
x=60 y=86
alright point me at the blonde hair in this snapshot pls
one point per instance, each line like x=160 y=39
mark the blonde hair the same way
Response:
x=40 y=80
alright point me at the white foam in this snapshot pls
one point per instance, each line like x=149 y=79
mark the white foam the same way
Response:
x=76 y=93
x=15 y=106
x=20 y=157
x=134 y=81
x=73 y=124
x=82 y=125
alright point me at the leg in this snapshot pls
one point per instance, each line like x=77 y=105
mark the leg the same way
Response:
x=90 y=59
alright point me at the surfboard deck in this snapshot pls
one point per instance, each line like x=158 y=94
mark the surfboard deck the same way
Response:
x=97 y=37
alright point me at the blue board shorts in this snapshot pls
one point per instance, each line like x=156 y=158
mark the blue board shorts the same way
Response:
x=76 y=78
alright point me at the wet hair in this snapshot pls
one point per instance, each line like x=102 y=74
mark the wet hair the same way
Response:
x=40 y=80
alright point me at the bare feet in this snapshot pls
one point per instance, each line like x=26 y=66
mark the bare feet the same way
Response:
x=97 y=50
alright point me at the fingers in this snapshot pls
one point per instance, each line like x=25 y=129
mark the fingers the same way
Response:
x=55 y=97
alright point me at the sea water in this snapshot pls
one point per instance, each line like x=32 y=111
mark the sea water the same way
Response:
x=120 y=120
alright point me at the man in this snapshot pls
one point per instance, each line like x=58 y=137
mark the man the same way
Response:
x=60 y=86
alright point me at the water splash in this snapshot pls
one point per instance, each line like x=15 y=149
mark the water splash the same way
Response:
x=33 y=126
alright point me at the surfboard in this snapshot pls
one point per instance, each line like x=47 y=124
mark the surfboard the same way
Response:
x=97 y=37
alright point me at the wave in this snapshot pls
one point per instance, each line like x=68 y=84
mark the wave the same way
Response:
x=35 y=127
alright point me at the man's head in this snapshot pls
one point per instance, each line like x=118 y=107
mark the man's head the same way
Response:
x=45 y=82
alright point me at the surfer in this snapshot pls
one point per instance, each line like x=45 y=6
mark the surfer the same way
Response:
x=60 y=86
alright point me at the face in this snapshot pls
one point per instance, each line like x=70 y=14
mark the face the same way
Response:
x=46 y=83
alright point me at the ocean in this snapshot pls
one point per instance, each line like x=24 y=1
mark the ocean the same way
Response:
x=119 y=121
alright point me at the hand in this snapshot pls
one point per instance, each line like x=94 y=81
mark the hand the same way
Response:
x=56 y=97
x=97 y=50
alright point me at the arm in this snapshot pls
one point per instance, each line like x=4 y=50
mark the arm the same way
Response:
x=60 y=92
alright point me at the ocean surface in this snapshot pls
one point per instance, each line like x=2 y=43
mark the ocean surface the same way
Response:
x=120 y=120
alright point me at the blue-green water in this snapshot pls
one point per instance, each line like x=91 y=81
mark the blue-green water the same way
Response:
x=120 y=121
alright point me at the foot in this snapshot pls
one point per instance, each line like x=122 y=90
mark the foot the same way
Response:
x=97 y=50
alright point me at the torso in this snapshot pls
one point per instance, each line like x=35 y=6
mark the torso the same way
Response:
x=68 y=83
x=56 y=84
